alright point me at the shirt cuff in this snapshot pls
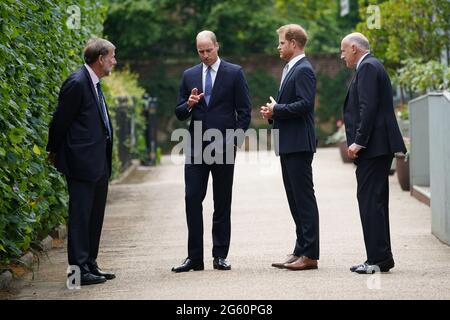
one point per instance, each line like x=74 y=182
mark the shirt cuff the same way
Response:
x=358 y=145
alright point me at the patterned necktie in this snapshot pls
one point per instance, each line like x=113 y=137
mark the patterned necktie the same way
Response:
x=285 y=72
x=208 y=85
x=101 y=99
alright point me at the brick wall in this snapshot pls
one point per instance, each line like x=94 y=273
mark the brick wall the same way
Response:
x=322 y=63
x=329 y=64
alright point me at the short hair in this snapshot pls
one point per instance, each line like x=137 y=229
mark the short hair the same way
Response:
x=294 y=32
x=96 y=47
x=360 y=40
x=207 y=34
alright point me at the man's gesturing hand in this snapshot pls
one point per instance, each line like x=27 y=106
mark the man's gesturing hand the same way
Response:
x=194 y=98
x=267 y=110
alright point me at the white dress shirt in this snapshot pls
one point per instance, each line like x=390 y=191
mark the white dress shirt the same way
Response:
x=289 y=66
x=95 y=79
x=361 y=59
x=294 y=60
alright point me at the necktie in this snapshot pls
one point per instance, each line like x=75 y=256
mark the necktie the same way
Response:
x=208 y=85
x=285 y=71
x=101 y=99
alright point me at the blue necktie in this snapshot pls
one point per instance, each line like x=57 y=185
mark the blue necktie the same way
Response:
x=101 y=99
x=208 y=85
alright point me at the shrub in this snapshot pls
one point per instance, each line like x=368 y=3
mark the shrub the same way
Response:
x=418 y=76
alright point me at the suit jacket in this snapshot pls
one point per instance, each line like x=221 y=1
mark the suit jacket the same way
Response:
x=77 y=133
x=293 y=114
x=229 y=106
x=369 y=112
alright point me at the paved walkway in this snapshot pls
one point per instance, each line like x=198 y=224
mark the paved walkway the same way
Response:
x=145 y=235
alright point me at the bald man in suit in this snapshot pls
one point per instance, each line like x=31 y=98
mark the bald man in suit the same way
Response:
x=373 y=136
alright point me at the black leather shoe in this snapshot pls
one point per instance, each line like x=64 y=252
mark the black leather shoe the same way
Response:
x=353 y=268
x=88 y=278
x=221 y=264
x=189 y=265
x=95 y=270
x=383 y=266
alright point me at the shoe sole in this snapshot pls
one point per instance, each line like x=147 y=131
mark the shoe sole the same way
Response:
x=278 y=266
x=93 y=282
x=221 y=268
x=384 y=270
x=301 y=269
x=194 y=269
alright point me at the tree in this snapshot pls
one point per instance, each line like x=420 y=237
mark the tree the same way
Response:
x=246 y=26
x=322 y=21
x=166 y=28
x=409 y=29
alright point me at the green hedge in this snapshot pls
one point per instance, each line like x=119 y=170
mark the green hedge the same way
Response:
x=38 y=50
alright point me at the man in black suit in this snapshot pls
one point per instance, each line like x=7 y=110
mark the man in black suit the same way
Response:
x=293 y=116
x=214 y=94
x=373 y=136
x=80 y=147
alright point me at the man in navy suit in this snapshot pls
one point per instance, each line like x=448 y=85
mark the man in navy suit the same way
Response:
x=373 y=136
x=214 y=95
x=80 y=147
x=292 y=115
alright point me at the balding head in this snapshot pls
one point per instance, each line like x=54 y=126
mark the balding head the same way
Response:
x=207 y=47
x=207 y=35
x=353 y=47
x=359 y=40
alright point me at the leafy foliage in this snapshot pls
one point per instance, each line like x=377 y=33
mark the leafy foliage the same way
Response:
x=419 y=76
x=332 y=92
x=38 y=50
x=417 y=29
x=261 y=86
x=167 y=28
x=322 y=21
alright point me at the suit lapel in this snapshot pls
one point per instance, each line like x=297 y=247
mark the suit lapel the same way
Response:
x=198 y=83
x=93 y=91
x=218 y=81
x=352 y=82
x=95 y=96
x=349 y=87
x=288 y=76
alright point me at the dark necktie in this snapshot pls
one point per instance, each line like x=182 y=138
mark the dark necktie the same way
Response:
x=101 y=99
x=208 y=85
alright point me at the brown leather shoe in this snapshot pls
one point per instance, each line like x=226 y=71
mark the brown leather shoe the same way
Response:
x=290 y=258
x=302 y=263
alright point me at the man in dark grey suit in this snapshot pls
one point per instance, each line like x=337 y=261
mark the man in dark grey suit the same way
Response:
x=373 y=136
x=292 y=115
x=80 y=147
